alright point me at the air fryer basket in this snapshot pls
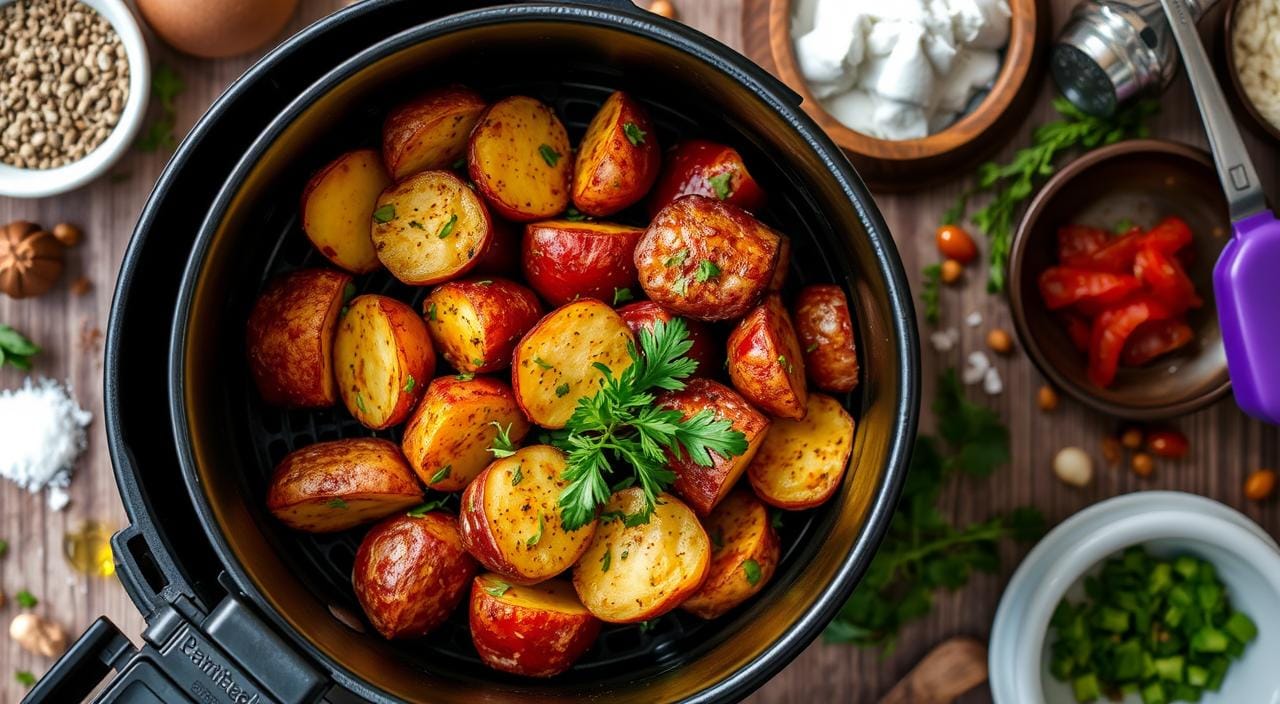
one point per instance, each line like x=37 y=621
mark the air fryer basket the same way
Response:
x=571 y=58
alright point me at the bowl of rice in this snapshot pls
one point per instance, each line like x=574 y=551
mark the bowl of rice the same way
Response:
x=1250 y=58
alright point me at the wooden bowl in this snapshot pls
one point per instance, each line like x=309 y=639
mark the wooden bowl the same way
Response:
x=1228 y=74
x=911 y=164
x=1140 y=181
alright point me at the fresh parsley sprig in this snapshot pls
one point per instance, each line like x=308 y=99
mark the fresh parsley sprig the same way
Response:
x=15 y=349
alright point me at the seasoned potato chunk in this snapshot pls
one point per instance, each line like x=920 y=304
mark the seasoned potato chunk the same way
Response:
x=535 y=631
x=801 y=462
x=519 y=158
x=825 y=328
x=707 y=169
x=448 y=438
x=566 y=260
x=336 y=485
x=744 y=554
x=765 y=361
x=430 y=228
x=430 y=132
x=477 y=322
x=290 y=337
x=337 y=209
x=382 y=357
x=618 y=159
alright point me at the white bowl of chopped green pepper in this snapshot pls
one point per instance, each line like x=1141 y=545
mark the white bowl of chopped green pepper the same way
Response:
x=1148 y=598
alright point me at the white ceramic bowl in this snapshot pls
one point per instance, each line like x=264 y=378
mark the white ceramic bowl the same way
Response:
x=1167 y=523
x=36 y=183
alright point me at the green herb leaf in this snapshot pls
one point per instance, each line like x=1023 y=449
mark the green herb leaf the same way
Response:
x=385 y=213
x=932 y=293
x=751 y=569
x=533 y=539
x=497 y=587
x=4 y=548
x=717 y=540
x=785 y=363
x=425 y=508
x=416 y=225
x=409 y=384
x=606 y=560
x=26 y=679
x=810 y=347
x=15 y=349
x=336 y=503
x=459 y=163
x=676 y=259
x=722 y=185
x=549 y=154
x=442 y=473
x=26 y=599
x=574 y=215
x=707 y=270
x=775 y=519
x=635 y=135
x=166 y=86
x=621 y=295
x=360 y=403
x=517 y=476
x=681 y=286
x=477 y=361
x=464 y=376
x=502 y=445
x=447 y=228
x=561 y=390
x=646 y=626
x=431 y=312
x=541 y=363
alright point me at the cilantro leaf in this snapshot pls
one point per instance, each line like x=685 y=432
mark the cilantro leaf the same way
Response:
x=15 y=349
x=721 y=184
x=385 y=213
x=502 y=445
x=707 y=270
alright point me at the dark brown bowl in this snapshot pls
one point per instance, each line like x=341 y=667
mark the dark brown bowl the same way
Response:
x=1141 y=181
x=1227 y=73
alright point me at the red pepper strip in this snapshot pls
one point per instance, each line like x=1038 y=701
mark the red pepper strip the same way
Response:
x=1077 y=242
x=1155 y=339
x=1166 y=279
x=1112 y=329
x=1169 y=235
x=1078 y=330
x=1062 y=286
x=1117 y=257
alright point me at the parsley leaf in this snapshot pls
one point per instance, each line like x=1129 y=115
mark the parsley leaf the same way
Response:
x=562 y=389
x=676 y=259
x=497 y=587
x=681 y=286
x=409 y=384
x=166 y=86
x=533 y=539
x=635 y=135
x=517 y=476
x=932 y=293
x=431 y=312
x=16 y=350
x=721 y=184
x=465 y=376
x=542 y=363
x=336 y=503
x=385 y=213
x=4 y=547
x=707 y=270
x=447 y=228
x=442 y=473
x=502 y=445
x=26 y=679
x=549 y=154
x=606 y=560
x=751 y=569
x=423 y=509
x=621 y=295
x=26 y=599
x=572 y=214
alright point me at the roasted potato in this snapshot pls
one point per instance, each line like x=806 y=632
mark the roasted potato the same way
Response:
x=289 y=337
x=744 y=554
x=410 y=573
x=430 y=228
x=643 y=315
x=618 y=159
x=511 y=517
x=705 y=259
x=766 y=364
x=382 y=357
x=535 y=631
x=706 y=169
x=566 y=260
x=448 y=438
x=520 y=159
x=430 y=132
x=824 y=326
x=336 y=485
x=552 y=365
x=704 y=487
x=784 y=266
x=502 y=256
x=636 y=573
x=801 y=462
x=476 y=322
x=337 y=209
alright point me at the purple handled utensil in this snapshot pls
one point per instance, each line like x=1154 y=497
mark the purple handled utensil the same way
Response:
x=1246 y=279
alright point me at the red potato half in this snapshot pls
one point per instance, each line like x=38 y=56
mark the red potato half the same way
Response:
x=534 y=631
x=708 y=169
x=336 y=485
x=337 y=209
x=824 y=325
x=704 y=487
x=511 y=517
x=636 y=573
x=766 y=364
x=448 y=438
x=553 y=364
x=744 y=555
x=410 y=573
x=707 y=260
x=382 y=359
x=801 y=462
x=430 y=132
x=520 y=159
x=643 y=315
x=430 y=228
x=477 y=322
x=502 y=256
x=618 y=159
x=289 y=338
x=566 y=260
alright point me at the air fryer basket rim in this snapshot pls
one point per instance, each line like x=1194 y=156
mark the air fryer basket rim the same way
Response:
x=748 y=77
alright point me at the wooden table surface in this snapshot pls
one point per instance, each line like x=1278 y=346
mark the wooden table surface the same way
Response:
x=1225 y=445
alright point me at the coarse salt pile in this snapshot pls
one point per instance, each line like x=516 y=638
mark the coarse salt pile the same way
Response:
x=42 y=432
x=1256 y=54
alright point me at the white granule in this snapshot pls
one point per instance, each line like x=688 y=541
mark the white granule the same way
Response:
x=1256 y=54
x=42 y=432
x=975 y=368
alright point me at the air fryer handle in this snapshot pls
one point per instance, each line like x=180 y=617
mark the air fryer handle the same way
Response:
x=82 y=668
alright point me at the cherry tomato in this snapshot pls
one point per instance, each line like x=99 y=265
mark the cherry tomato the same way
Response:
x=1155 y=339
x=1168 y=443
x=1117 y=256
x=1063 y=286
x=954 y=243
x=1077 y=242
x=1165 y=279
x=1110 y=331
x=1169 y=235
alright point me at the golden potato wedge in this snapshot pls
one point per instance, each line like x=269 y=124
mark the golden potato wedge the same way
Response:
x=382 y=357
x=535 y=631
x=618 y=159
x=766 y=364
x=336 y=485
x=430 y=132
x=744 y=554
x=510 y=517
x=448 y=438
x=477 y=322
x=520 y=160
x=430 y=228
x=337 y=209
x=289 y=337
x=801 y=462
x=552 y=366
x=825 y=328
x=636 y=573
x=566 y=260
x=706 y=259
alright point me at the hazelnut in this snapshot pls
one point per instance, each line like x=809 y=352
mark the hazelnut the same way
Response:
x=38 y=635
x=1260 y=485
x=1073 y=466
x=999 y=341
x=952 y=270
x=663 y=8
x=66 y=233
x=1142 y=464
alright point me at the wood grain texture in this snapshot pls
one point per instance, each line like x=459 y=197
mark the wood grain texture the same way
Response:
x=1225 y=446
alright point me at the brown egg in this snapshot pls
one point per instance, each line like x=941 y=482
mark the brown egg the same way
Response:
x=217 y=28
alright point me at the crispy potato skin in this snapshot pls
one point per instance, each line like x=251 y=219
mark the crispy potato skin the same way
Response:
x=666 y=560
x=611 y=171
x=693 y=230
x=535 y=631
x=430 y=131
x=337 y=208
x=477 y=322
x=643 y=315
x=410 y=573
x=336 y=485
x=506 y=162
x=691 y=165
x=425 y=206
x=453 y=426
x=551 y=368
x=704 y=487
x=765 y=361
x=825 y=328
x=565 y=260
x=382 y=358
x=801 y=462
x=289 y=338
x=511 y=517
x=740 y=530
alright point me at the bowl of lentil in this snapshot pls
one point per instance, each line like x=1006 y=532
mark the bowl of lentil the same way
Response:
x=75 y=76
